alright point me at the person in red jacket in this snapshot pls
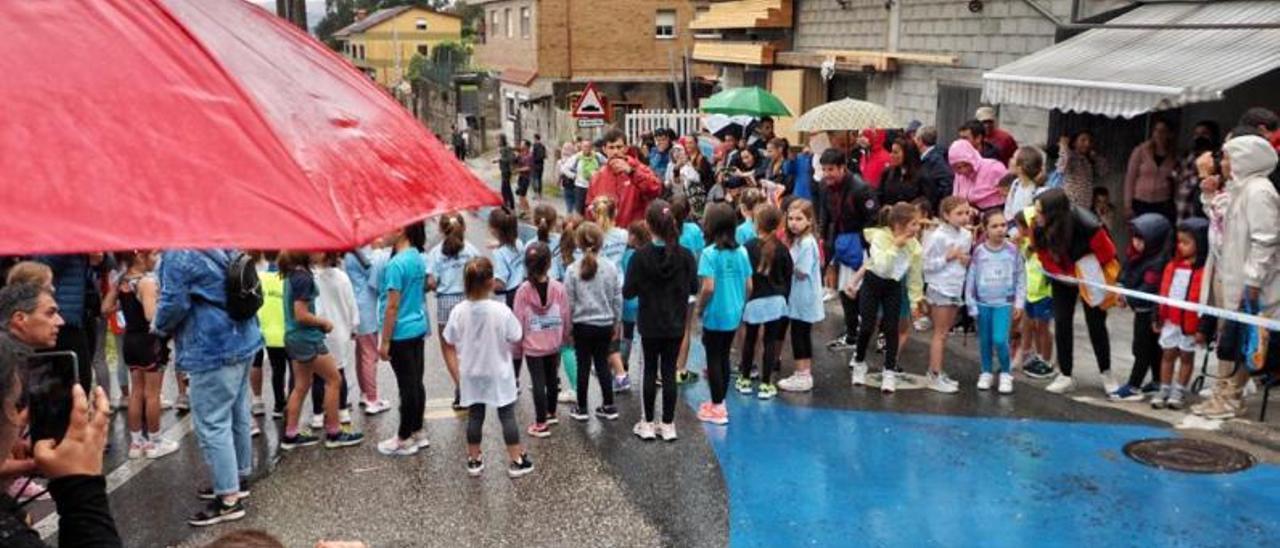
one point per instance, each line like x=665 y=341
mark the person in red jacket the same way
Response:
x=1070 y=241
x=625 y=179
x=1179 y=328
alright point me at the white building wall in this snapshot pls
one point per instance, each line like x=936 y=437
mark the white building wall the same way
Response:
x=1004 y=31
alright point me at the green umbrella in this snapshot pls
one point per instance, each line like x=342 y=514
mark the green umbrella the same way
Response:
x=752 y=101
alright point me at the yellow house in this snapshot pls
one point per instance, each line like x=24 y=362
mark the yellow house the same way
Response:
x=383 y=43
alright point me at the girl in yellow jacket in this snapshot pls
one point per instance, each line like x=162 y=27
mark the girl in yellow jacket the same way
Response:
x=896 y=258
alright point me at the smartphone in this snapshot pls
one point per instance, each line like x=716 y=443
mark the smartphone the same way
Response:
x=47 y=385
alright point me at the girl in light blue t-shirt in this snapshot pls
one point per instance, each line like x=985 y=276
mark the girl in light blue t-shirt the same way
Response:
x=725 y=275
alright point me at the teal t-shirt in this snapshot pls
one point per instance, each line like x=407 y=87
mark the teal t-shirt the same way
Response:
x=745 y=232
x=406 y=273
x=691 y=238
x=730 y=268
x=300 y=286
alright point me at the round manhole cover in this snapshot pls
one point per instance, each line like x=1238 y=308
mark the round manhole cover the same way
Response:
x=1189 y=455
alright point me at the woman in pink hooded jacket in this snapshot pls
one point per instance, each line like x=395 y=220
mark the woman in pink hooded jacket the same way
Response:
x=542 y=307
x=976 y=177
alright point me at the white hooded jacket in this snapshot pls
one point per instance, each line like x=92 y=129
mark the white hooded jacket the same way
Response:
x=1252 y=239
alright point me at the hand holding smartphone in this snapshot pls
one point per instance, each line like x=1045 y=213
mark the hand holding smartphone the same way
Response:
x=67 y=439
x=47 y=384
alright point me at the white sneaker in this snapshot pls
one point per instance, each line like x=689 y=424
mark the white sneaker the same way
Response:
x=947 y=379
x=859 y=374
x=344 y=416
x=984 y=381
x=160 y=447
x=375 y=407
x=889 y=382
x=567 y=396
x=254 y=429
x=420 y=439
x=258 y=409
x=394 y=446
x=317 y=422
x=797 y=383
x=1006 y=383
x=1061 y=385
x=1109 y=383
x=667 y=431
x=644 y=430
x=137 y=450
x=938 y=383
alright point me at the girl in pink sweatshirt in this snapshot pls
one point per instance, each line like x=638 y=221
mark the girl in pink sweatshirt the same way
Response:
x=542 y=308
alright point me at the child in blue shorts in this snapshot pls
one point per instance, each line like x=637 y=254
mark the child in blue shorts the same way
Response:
x=1036 y=346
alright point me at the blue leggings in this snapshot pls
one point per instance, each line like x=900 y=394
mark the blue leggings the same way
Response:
x=993 y=332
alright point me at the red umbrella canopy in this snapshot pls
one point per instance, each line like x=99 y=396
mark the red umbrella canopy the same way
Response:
x=139 y=124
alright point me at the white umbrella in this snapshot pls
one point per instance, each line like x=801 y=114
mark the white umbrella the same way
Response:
x=846 y=115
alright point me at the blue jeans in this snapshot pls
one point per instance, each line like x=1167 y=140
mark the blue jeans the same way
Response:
x=220 y=414
x=993 y=333
x=570 y=198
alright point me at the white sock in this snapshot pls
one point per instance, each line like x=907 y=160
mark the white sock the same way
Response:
x=154 y=437
x=136 y=437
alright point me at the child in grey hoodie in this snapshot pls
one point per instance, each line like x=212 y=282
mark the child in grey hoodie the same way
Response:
x=595 y=298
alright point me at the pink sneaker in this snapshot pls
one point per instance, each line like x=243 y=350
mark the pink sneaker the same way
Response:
x=714 y=414
x=539 y=430
x=21 y=489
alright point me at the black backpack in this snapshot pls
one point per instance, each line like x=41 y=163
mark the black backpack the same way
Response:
x=244 y=289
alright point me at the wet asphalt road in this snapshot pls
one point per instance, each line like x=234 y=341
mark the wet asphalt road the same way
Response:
x=595 y=484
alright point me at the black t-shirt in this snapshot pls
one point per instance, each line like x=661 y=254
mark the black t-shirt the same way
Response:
x=778 y=281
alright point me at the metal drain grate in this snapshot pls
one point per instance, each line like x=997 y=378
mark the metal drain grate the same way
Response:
x=1189 y=455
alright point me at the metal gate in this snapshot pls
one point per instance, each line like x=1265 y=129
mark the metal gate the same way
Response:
x=956 y=105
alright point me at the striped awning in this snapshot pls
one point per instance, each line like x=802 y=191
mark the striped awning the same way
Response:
x=1126 y=72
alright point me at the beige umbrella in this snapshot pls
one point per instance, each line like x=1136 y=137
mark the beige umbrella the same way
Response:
x=846 y=115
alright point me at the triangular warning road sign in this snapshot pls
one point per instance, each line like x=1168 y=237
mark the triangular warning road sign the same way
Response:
x=590 y=104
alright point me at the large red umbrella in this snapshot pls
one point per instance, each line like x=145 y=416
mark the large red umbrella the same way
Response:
x=132 y=124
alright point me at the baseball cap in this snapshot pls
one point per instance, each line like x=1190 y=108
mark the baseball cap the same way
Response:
x=985 y=114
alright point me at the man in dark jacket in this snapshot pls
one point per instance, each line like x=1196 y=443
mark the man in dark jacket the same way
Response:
x=851 y=207
x=935 y=173
x=539 y=163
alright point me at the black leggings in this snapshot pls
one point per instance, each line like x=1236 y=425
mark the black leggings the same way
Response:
x=508 y=197
x=280 y=366
x=591 y=345
x=1064 y=314
x=801 y=340
x=660 y=357
x=408 y=361
x=717 y=344
x=883 y=296
x=546 y=384
x=317 y=393
x=851 y=313
x=774 y=332
x=506 y=414
x=1146 y=349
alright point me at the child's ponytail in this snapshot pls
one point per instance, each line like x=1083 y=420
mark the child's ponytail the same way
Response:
x=590 y=239
x=544 y=219
x=605 y=210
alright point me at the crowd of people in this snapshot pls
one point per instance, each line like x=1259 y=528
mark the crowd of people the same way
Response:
x=662 y=242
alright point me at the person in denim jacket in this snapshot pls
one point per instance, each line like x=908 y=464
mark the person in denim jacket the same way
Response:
x=216 y=353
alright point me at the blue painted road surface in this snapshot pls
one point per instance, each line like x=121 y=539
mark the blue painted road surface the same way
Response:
x=809 y=476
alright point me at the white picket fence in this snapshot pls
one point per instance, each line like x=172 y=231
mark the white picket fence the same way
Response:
x=684 y=122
